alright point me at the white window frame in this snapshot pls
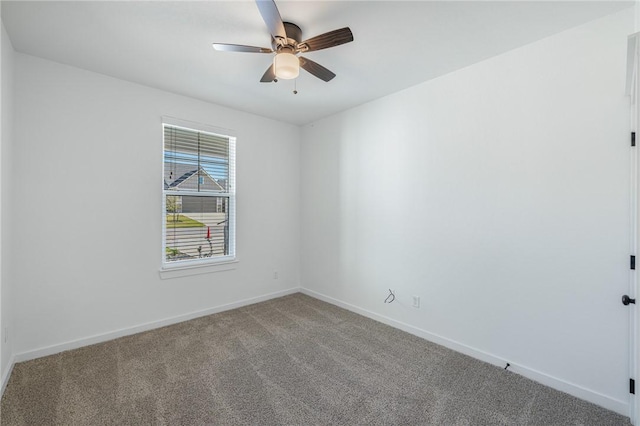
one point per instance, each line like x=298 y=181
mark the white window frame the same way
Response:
x=208 y=264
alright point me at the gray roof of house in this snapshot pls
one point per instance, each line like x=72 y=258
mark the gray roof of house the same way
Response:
x=174 y=171
x=176 y=174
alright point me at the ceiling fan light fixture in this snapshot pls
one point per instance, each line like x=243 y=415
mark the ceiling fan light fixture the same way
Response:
x=286 y=65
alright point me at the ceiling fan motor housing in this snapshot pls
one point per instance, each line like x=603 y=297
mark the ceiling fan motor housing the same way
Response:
x=294 y=35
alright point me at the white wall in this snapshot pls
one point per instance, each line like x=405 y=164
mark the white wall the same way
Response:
x=499 y=194
x=6 y=135
x=87 y=176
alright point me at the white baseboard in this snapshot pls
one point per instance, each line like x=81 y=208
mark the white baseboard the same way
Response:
x=6 y=375
x=74 y=344
x=620 y=407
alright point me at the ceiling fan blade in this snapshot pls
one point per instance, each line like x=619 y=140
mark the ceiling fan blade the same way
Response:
x=330 y=39
x=240 y=48
x=269 y=75
x=271 y=17
x=316 y=69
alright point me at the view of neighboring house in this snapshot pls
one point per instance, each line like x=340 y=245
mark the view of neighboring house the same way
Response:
x=187 y=177
x=205 y=233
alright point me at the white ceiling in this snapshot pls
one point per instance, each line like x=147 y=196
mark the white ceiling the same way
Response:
x=397 y=44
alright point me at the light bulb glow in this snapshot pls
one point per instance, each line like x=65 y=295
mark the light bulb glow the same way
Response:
x=286 y=65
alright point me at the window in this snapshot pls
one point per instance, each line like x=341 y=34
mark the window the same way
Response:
x=199 y=195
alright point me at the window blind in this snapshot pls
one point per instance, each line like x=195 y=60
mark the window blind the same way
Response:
x=198 y=196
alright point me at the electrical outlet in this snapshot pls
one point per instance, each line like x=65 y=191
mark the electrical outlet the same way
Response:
x=416 y=301
x=275 y=275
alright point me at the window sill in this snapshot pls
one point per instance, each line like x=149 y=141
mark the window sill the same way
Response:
x=185 y=271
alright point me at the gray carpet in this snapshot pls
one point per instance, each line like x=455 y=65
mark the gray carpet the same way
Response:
x=289 y=361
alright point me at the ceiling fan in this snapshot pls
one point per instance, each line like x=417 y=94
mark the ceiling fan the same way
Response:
x=286 y=44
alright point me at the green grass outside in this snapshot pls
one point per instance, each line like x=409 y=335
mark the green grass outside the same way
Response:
x=180 y=221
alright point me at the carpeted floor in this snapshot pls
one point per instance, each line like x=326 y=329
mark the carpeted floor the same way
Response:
x=289 y=361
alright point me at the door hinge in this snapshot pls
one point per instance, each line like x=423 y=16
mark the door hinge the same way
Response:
x=632 y=263
x=632 y=386
x=633 y=138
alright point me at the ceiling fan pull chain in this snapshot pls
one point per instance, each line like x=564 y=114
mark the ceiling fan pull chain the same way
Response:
x=295 y=86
